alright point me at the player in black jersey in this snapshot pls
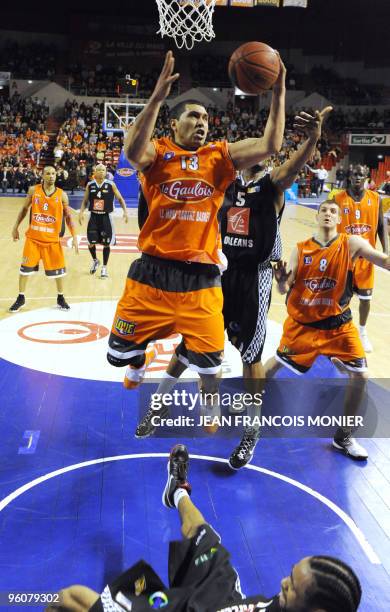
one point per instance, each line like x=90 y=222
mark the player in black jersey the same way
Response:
x=202 y=578
x=99 y=197
x=251 y=240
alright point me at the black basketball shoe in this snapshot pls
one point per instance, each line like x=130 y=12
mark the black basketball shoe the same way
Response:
x=18 y=304
x=243 y=453
x=148 y=425
x=177 y=474
x=61 y=303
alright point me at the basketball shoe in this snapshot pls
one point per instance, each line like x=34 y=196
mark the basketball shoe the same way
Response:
x=148 y=425
x=368 y=348
x=103 y=272
x=18 y=303
x=345 y=443
x=177 y=474
x=61 y=303
x=94 y=266
x=243 y=453
x=134 y=376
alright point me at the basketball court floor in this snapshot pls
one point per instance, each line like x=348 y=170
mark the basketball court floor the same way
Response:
x=80 y=497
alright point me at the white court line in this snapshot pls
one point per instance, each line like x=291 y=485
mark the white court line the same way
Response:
x=367 y=548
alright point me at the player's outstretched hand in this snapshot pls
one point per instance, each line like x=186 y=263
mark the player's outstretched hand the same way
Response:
x=310 y=124
x=165 y=80
x=75 y=244
x=125 y=218
x=15 y=234
x=280 y=272
x=281 y=80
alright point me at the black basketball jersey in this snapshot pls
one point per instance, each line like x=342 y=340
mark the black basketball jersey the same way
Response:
x=101 y=197
x=249 y=222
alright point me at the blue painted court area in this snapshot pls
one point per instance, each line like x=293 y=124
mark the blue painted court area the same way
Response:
x=89 y=522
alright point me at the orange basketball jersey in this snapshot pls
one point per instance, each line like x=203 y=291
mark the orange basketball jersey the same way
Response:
x=184 y=191
x=46 y=215
x=323 y=284
x=359 y=218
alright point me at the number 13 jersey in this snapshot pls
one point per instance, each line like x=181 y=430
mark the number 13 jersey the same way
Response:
x=183 y=191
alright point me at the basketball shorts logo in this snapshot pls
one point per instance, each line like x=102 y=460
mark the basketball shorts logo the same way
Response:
x=140 y=586
x=124 y=328
x=286 y=350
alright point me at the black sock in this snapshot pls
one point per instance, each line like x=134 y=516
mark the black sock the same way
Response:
x=92 y=250
x=106 y=255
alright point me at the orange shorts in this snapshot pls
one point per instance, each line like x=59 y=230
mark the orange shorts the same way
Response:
x=363 y=278
x=51 y=254
x=164 y=298
x=300 y=346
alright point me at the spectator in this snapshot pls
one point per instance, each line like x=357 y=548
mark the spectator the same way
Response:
x=340 y=177
x=384 y=188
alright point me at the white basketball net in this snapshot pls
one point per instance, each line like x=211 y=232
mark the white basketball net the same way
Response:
x=187 y=21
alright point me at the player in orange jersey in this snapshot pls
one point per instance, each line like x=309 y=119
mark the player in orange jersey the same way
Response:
x=318 y=281
x=362 y=215
x=176 y=285
x=49 y=206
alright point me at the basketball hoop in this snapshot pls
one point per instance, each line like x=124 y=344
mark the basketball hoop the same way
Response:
x=187 y=21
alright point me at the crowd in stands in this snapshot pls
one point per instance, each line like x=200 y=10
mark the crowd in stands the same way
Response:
x=103 y=81
x=42 y=60
x=82 y=142
x=31 y=60
x=368 y=120
x=23 y=140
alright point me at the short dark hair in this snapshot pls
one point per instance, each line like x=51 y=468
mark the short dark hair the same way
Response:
x=335 y=586
x=327 y=201
x=180 y=108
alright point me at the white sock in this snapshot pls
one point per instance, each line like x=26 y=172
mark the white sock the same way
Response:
x=178 y=495
x=362 y=329
x=166 y=385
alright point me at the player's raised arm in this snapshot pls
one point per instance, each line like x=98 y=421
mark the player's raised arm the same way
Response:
x=362 y=248
x=138 y=147
x=22 y=213
x=285 y=175
x=285 y=274
x=250 y=151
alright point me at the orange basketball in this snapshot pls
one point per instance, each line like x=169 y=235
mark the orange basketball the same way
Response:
x=254 y=67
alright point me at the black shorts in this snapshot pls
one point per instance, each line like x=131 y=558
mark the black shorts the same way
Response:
x=247 y=297
x=201 y=579
x=100 y=229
